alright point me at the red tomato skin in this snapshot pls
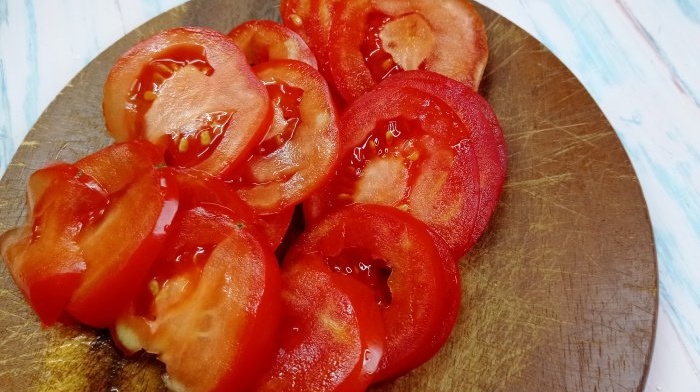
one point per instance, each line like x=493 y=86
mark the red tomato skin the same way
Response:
x=313 y=356
x=229 y=87
x=245 y=292
x=114 y=272
x=424 y=280
x=301 y=157
x=484 y=130
x=445 y=152
x=266 y=40
x=42 y=255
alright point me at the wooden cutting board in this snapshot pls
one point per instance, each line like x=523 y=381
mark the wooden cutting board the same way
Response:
x=559 y=295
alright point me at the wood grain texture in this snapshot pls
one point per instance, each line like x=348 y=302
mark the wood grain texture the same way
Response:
x=559 y=295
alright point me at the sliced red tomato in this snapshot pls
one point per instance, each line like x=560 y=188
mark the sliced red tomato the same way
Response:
x=311 y=19
x=373 y=39
x=211 y=309
x=301 y=148
x=265 y=40
x=411 y=277
x=308 y=19
x=117 y=165
x=43 y=256
x=485 y=133
x=275 y=226
x=191 y=92
x=198 y=187
x=120 y=247
x=330 y=338
x=406 y=148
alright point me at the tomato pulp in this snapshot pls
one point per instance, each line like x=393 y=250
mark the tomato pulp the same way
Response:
x=191 y=92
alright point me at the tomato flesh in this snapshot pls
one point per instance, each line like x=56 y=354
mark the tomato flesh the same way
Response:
x=375 y=39
x=484 y=131
x=264 y=40
x=183 y=149
x=300 y=150
x=118 y=264
x=330 y=339
x=116 y=166
x=380 y=63
x=286 y=99
x=422 y=282
x=407 y=149
x=359 y=263
x=211 y=309
x=43 y=255
x=191 y=92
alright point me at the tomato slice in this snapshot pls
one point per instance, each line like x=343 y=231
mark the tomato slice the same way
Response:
x=43 y=256
x=373 y=39
x=330 y=338
x=484 y=131
x=265 y=40
x=412 y=278
x=308 y=19
x=117 y=165
x=191 y=92
x=301 y=148
x=198 y=187
x=211 y=309
x=405 y=148
x=121 y=245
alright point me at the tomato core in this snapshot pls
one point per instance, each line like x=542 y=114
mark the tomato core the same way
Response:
x=286 y=100
x=287 y=116
x=373 y=272
x=187 y=262
x=189 y=146
x=380 y=63
x=393 y=143
x=145 y=89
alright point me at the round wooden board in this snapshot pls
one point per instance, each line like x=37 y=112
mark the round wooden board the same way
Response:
x=559 y=295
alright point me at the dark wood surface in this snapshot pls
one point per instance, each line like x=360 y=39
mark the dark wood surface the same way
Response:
x=559 y=295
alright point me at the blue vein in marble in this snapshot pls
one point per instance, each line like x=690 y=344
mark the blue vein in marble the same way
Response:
x=6 y=144
x=3 y=12
x=690 y=8
x=666 y=246
x=681 y=289
x=663 y=57
x=592 y=50
x=30 y=101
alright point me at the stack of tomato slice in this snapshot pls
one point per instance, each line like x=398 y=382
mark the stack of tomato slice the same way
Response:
x=178 y=239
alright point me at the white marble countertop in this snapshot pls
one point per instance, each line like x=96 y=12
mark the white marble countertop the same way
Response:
x=639 y=59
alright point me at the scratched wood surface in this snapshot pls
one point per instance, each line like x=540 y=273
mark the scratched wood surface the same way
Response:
x=559 y=295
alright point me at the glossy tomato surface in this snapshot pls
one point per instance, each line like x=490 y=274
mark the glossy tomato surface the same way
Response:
x=43 y=255
x=301 y=147
x=412 y=278
x=210 y=311
x=408 y=149
x=376 y=38
x=311 y=20
x=484 y=132
x=191 y=92
x=331 y=336
x=264 y=40
x=120 y=246
x=117 y=165
x=197 y=188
